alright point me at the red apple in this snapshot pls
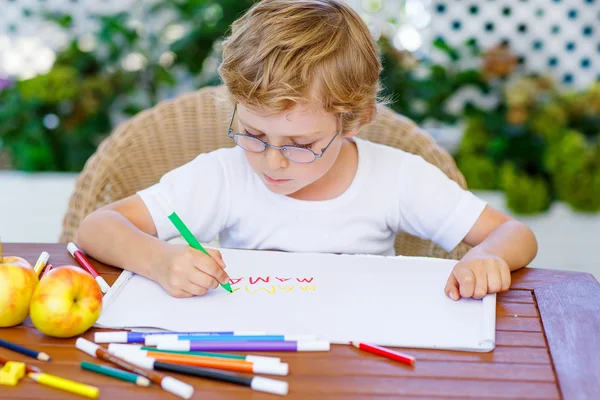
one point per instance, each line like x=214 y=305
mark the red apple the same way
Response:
x=66 y=302
x=17 y=283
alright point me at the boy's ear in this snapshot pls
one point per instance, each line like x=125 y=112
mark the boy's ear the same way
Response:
x=367 y=118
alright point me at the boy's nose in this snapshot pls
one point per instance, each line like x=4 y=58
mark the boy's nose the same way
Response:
x=275 y=160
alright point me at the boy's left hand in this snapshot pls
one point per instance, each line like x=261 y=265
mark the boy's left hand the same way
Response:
x=477 y=274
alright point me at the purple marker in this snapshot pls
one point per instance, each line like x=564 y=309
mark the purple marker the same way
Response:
x=300 y=345
x=155 y=340
x=139 y=337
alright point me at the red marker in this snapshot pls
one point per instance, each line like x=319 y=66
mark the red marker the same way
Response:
x=46 y=270
x=382 y=351
x=85 y=264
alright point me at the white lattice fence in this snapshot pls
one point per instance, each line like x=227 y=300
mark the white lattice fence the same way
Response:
x=555 y=37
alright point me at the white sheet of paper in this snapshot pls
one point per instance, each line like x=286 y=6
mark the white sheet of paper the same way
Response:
x=389 y=301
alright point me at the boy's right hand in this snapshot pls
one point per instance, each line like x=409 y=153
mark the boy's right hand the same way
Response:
x=187 y=272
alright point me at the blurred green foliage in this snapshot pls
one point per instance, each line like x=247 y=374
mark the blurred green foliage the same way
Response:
x=542 y=144
x=422 y=89
x=83 y=89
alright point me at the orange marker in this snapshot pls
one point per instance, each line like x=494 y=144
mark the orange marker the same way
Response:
x=211 y=362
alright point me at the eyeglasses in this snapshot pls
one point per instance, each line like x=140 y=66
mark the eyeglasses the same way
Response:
x=293 y=153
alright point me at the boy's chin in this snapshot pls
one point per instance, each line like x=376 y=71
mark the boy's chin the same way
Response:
x=285 y=189
x=281 y=189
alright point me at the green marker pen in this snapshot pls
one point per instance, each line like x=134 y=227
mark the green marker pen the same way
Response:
x=187 y=234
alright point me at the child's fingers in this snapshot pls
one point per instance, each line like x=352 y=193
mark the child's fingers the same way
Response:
x=216 y=255
x=201 y=279
x=481 y=283
x=505 y=277
x=451 y=288
x=212 y=268
x=466 y=280
x=193 y=289
x=494 y=280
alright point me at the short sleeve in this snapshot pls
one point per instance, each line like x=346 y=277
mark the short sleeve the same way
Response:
x=433 y=206
x=199 y=193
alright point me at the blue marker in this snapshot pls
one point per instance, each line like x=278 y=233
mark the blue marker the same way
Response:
x=161 y=339
x=140 y=337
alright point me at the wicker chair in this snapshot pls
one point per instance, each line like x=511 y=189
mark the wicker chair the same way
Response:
x=173 y=132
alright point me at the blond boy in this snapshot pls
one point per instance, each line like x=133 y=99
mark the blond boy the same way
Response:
x=303 y=76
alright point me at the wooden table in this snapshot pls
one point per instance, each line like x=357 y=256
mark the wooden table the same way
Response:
x=548 y=347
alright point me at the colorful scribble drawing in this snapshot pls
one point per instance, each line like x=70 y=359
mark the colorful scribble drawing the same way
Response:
x=270 y=290
x=260 y=278
x=285 y=288
x=259 y=284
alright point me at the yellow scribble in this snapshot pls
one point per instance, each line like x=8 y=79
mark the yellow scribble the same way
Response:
x=262 y=288
x=286 y=289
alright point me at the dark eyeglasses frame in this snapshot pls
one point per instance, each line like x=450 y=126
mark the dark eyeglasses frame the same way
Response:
x=283 y=148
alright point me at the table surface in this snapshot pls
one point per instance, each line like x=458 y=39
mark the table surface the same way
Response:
x=547 y=347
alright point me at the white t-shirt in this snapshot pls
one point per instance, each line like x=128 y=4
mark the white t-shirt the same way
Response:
x=218 y=195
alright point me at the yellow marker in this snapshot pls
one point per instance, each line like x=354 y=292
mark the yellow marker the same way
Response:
x=11 y=373
x=65 y=384
x=41 y=263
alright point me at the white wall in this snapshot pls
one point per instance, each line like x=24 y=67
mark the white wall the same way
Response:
x=32 y=205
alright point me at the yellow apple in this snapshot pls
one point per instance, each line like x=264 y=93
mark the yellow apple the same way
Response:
x=66 y=302
x=17 y=283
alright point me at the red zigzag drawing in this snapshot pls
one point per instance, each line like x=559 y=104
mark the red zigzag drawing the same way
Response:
x=266 y=280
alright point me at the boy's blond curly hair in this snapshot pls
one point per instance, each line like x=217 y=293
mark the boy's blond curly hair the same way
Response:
x=286 y=52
